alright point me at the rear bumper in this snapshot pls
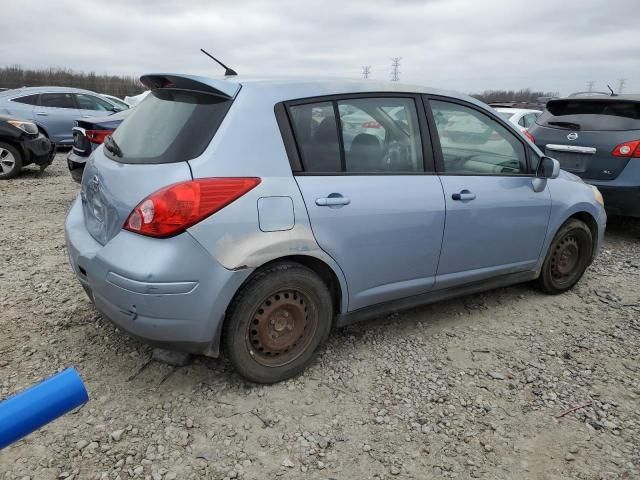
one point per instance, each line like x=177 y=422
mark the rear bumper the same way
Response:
x=622 y=195
x=167 y=292
x=76 y=165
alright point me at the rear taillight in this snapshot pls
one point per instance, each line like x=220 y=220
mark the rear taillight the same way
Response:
x=627 y=149
x=175 y=208
x=97 y=136
x=527 y=134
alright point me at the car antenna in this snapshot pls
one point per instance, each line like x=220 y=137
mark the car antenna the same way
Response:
x=613 y=94
x=228 y=72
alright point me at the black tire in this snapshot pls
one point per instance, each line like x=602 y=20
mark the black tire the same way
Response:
x=568 y=257
x=277 y=322
x=10 y=161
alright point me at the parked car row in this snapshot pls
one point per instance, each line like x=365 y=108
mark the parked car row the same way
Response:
x=53 y=112
x=254 y=216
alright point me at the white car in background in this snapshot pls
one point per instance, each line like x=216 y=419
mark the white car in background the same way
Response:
x=523 y=118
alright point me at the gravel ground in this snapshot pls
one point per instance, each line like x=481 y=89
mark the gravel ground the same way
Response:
x=479 y=387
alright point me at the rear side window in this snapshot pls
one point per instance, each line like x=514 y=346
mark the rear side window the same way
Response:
x=29 y=99
x=169 y=126
x=57 y=100
x=317 y=136
x=606 y=114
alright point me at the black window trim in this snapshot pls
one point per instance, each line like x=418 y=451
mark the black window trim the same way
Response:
x=437 y=148
x=285 y=124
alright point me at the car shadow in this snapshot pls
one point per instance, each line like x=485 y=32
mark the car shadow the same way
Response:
x=623 y=228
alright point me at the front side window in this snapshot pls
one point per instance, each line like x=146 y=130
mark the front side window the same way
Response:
x=57 y=100
x=475 y=144
x=316 y=133
x=89 y=102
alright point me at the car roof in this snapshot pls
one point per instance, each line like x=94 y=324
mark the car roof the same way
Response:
x=280 y=89
x=34 y=90
x=633 y=97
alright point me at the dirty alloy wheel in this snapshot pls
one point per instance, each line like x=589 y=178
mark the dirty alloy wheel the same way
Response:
x=277 y=322
x=568 y=257
x=10 y=161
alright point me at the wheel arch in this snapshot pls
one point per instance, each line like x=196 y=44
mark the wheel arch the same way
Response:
x=334 y=280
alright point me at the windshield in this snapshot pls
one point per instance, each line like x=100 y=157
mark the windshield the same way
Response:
x=169 y=126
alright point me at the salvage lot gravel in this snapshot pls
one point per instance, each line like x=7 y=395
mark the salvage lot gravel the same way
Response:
x=479 y=387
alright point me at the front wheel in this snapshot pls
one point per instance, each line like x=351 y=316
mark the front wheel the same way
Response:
x=10 y=161
x=567 y=259
x=277 y=322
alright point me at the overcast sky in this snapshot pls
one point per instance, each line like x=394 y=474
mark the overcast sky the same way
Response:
x=465 y=45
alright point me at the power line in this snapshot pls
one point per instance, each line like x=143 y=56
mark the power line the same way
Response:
x=366 y=71
x=590 y=84
x=621 y=82
x=395 y=69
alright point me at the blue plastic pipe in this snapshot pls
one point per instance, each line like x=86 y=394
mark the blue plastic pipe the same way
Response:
x=38 y=405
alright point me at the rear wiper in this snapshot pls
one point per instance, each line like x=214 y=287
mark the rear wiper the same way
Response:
x=569 y=125
x=111 y=145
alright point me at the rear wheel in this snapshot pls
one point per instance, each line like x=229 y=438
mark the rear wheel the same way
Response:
x=10 y=161
x=567 y=258
x=277 y=322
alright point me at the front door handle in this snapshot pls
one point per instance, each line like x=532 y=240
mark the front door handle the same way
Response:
x=333 y=200
x=464 y=195
x=42 y=114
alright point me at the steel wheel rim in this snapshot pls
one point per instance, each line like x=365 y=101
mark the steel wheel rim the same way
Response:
x=7 y=161
x=565 y=259
x=281 y=328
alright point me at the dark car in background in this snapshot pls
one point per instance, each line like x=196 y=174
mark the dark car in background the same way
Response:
x=598 y=139
x=22 y=144
x=88 y=134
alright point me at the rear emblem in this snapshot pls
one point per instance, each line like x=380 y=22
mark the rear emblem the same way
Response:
x=572 y=136
x=94 y=183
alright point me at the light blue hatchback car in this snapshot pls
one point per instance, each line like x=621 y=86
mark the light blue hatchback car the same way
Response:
x=230 y=214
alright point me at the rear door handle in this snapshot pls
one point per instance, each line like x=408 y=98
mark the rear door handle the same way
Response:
x=42 y=114
x=332 y=200
x=464 y=195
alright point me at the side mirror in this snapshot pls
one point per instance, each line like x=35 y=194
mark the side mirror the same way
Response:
x=548 y=168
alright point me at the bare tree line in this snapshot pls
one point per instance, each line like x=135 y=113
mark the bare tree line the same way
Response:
x=14 y=76
x=522 y=95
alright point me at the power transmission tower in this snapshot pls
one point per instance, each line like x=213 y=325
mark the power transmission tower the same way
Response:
x=395 y=69
x=366 y=71
x=590 y=84
x=621 y=82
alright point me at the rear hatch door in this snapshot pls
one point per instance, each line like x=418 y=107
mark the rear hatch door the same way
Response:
x=148 y=151
x=582 y=133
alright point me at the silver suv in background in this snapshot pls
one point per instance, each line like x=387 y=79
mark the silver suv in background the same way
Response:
x=54 y=109
x=247 y=216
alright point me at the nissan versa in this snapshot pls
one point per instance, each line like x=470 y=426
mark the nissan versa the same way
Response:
x=231 y=215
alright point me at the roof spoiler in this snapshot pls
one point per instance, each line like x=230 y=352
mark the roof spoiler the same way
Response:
x=221 y=88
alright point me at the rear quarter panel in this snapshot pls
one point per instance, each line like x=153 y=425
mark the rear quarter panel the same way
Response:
x=248 y=143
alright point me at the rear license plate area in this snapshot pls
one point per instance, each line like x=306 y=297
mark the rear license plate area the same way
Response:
x=572 y=162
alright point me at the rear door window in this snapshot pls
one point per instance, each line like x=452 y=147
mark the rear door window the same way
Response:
x=57 y=100
x=169 y=126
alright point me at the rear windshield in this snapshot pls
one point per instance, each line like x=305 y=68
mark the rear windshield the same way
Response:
x=590 y=114
x=169 y=126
